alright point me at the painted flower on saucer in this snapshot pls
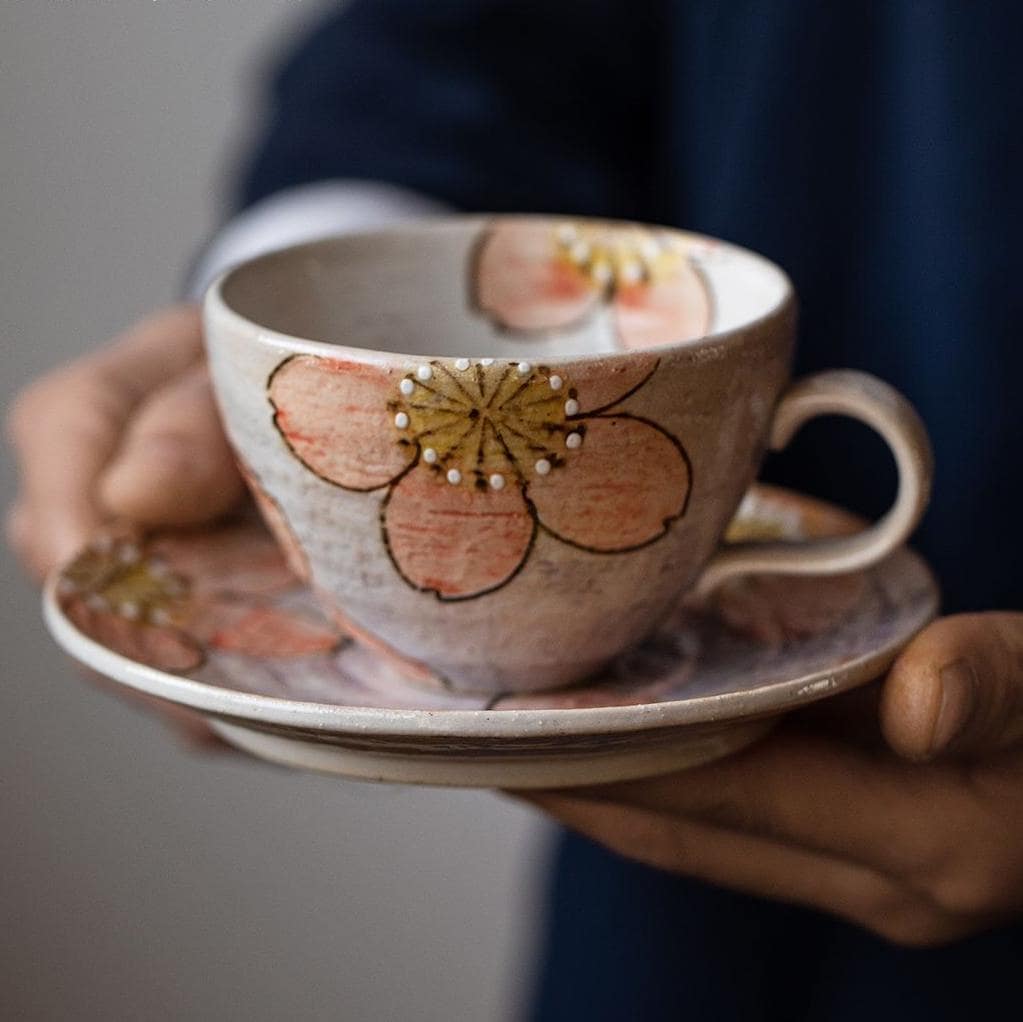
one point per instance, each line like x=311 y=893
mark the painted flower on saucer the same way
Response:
x=531 y=275
x=474 y=456
x=170 y=600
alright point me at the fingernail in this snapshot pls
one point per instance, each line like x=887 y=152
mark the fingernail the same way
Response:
x=958 y=691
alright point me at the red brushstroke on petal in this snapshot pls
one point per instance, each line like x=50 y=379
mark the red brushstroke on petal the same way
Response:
x=602 y=383
x=618 y=491
x=456 y=540
x=524 y=284
x=674 y=308
x=261 y=630
x=166 y=649
x=334 y=416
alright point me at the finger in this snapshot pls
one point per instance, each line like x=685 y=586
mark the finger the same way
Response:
x=957 y=689
x=174 y=466
x=21 y=539
x=66 y=426
x=754 y=865
x=151 y=352
x=816 y=794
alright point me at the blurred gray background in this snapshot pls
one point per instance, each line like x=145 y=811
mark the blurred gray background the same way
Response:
x=138 y=881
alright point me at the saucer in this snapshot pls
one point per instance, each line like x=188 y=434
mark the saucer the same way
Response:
x=212 y=619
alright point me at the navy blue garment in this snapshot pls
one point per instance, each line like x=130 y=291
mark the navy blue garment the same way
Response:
x=873 y=151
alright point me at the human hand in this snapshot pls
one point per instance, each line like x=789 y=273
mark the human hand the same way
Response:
x=917 y=836
x=129 y=432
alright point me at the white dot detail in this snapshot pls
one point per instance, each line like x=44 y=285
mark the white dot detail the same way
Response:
x=602 y=272
x=632 y=272
x=567 y=234
x=649 y=250
x=580 y=252
x=525 y=368
x=430 y=456
x=486 y=361
x=556 y=382
x=574 y=440
x=401 y=420
x=424 y=373
x=543 y=467
x=461 y=364
x=130 y=610
x=497 y=481
x=406 y=386
x=128 y=554
x=454 y=476
x=571 y=406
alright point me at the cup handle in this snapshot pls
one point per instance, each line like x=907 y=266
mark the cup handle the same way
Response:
x=863 y=397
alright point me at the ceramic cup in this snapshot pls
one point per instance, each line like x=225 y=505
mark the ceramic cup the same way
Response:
x=502 y=448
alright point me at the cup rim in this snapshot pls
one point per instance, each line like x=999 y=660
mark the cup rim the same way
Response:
x=214 y=301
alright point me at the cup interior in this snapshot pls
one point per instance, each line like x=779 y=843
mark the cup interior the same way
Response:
x=480 y=287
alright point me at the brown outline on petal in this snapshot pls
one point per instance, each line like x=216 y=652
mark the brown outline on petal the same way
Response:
x=287 y=443
x=666 y=524
x=530 y=510
x=79 y=613
x=229 y=598
x=597 y=412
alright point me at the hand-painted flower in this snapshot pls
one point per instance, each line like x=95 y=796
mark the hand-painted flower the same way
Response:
x=532 y=275
x=477 y=455
x=169 y=601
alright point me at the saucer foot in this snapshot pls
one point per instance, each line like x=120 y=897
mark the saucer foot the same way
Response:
x=688 y=747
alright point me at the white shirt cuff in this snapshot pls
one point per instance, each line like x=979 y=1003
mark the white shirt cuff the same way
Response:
x=306 y=213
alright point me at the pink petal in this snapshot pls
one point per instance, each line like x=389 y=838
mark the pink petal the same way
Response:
x=166 y=649
x=675 y=308
x=522 y=281
x=262 y=630
x=619 y=491
x=334 y=416
x=278 y=524
x=456 y=541
x=238 y=558
x=604 y=382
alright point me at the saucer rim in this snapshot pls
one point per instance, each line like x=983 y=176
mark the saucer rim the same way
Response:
x=339 y=719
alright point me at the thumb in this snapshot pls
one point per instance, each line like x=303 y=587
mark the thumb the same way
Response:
x=174 y=466
x=957 y=688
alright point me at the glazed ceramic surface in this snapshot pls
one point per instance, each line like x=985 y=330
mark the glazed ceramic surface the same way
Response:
x=212 y=619
x=501 y=449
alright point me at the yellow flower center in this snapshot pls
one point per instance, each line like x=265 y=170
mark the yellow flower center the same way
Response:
x=488 y=423
x=617 y=257
x=113 y=575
